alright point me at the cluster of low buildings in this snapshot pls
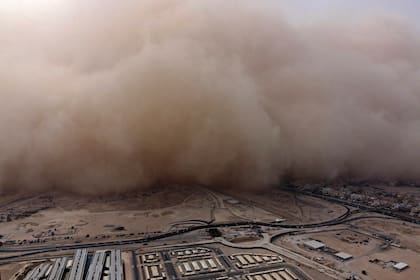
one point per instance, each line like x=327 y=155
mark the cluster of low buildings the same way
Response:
x=343 y=256
x=152 y=267
x=372 y=197
x=398 y=266
x=154 y=272
x=200 y=266
x=275 y=274
x=243 y=261
x=210 y=263
x=191 y=261
x=317 y=245
x=195 y=262
x=193 y=252
x=103 y=264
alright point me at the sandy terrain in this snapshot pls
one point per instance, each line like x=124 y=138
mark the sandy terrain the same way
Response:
x=9 y=270
x=407 y=234
x=294 y=208
x=362 y=242
x=92 y=220
x=67 y=219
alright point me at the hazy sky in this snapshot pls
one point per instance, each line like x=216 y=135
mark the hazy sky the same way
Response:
x=331 y=8
x=302 y=10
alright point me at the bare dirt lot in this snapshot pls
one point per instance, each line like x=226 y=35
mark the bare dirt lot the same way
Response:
x=366 y=241
x=65 y=217
x=293 y=207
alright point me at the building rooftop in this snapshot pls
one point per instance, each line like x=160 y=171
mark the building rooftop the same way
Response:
x=343 y=256
x=400 y=266
x=313 y=244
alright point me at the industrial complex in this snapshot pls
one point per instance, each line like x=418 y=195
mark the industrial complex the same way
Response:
x=103 y=264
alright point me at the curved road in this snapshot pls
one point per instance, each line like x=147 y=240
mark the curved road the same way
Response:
x=52 y=248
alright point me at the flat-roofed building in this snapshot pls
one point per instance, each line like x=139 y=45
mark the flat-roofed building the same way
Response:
x=96 y=266
x=57 y=271
x=267 y=277
x=249 y=258
x=115 y=268
x=314 y=245
x=285 y=274
x=212 y=263
x=343 y=256
x=38 y=272
x=241 y=260
x=195 y=265
x=276 y=276
x=187 y=267
x=204 y=264
x=154 y=271
x=400 y=266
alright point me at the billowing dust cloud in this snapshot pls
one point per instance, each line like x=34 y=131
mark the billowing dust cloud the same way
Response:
x=111 y=96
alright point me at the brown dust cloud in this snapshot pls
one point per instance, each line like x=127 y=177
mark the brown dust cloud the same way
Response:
x=115 y=96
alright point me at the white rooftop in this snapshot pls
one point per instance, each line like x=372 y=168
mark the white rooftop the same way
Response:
x=343 y=256
x=400 y=266
x=313 y=244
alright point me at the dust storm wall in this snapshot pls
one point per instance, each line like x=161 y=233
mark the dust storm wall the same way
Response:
x=111 y=96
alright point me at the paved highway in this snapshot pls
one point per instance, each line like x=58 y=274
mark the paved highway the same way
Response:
x=26 y=251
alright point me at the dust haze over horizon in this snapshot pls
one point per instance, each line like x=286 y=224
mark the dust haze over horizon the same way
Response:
x=113 y=96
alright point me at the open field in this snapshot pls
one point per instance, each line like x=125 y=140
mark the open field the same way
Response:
x=66 y=217
x=294 y=208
